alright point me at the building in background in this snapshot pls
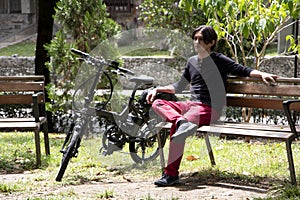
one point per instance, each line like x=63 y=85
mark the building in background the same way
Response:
x=18 y=18
x=124 y=12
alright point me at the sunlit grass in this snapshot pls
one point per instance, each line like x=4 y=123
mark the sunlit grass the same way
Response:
x=235 y=160
x=26 y=48
x=263 y=159
x=8 y=188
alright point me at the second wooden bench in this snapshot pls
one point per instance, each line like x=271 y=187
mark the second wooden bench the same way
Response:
x=27 y=93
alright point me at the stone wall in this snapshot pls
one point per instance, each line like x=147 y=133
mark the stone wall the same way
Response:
x=280 y=65
x=164 y=69
x=16 y=66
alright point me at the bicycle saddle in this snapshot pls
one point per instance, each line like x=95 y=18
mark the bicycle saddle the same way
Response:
x=148 y=80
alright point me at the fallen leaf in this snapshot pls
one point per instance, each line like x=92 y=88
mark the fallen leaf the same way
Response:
x=191 y=158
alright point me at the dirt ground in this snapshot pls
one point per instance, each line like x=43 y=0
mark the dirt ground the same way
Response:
x=133 y=188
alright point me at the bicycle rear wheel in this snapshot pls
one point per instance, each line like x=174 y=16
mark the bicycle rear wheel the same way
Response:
x=68 y=153
x=148 y=149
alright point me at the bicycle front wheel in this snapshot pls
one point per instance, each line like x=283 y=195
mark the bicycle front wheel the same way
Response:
x=68 y=153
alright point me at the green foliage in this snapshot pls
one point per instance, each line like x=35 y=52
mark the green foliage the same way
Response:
x=294 y=46
x=84 y=24
x=86 y=21
x=237 y=21
x=170 y=15
x=64 y=67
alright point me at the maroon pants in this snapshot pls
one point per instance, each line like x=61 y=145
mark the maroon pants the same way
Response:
x=196 y=112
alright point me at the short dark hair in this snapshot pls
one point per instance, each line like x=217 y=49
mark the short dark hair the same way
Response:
x=208 y=33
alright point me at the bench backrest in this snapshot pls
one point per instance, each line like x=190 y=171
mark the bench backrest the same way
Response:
x=19 y=89
x=253 y=93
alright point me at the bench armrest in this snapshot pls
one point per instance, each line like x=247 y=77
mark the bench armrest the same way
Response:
x=36 y=110
x=287 y=109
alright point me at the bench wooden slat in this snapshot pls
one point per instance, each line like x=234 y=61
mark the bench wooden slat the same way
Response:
x=23 y=78
x=18 y=125
x=16 y=99
x=262 y=89
x=31 y=119
x=248 y=102
x=254 y=126
x=275 y=104
x=19 y=99
x=21 y=86
x=247 y=132
x=230 y=125
x=251 y=79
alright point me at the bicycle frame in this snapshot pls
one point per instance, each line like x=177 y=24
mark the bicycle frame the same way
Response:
x=115 y=117
x=79 y=125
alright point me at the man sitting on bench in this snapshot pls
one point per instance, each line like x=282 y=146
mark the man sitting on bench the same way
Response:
x=206 y=74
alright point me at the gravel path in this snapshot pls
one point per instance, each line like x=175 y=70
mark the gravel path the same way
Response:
x=122 y=187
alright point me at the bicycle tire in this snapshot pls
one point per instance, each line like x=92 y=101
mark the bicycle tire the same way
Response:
x=67 y=155
x=148 y=143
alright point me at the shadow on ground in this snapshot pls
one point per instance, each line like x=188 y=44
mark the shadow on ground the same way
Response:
x=216 y=178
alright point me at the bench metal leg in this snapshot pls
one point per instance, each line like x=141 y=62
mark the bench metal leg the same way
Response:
x=37 y=146
x=209 y=149
x=161 y=151
x=46 y=138
x=291 y=162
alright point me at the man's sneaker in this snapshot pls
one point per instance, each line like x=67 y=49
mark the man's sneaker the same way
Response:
x=184 y=130
x=167 y=180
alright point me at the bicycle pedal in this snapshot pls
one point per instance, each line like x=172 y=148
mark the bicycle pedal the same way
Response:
x=75 y=154
x=105 y=153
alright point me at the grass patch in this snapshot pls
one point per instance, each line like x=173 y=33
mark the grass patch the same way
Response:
x=26 y=48
x=258 y=159
x=237 y=162
x=9 y=188
x=17 y=152
x=107 y=194
x=147 y=52
x=272 y=50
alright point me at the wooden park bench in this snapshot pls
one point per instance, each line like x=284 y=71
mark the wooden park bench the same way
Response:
x=25 y=93
x=253 y=93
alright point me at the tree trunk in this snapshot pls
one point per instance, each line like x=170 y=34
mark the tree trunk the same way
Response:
x=44 y=36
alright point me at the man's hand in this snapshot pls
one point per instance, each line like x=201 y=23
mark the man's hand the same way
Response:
x=151 y=96
x=265 y=77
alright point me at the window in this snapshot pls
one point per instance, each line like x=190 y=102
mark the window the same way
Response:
x=116 y=6
x=15 y=6
x=10 y=6
x=3 y=6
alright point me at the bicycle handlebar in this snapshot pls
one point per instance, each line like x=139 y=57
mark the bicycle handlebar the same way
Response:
x=78 y=52
x=113 y=64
